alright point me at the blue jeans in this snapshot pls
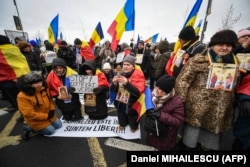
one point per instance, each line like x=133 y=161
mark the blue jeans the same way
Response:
x=51 y=128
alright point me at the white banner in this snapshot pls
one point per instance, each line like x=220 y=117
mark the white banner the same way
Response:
x=86 y=127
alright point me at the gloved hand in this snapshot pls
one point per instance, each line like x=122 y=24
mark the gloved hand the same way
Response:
x=97 y=90
x=51 y=114
x=154 y=113
x=244 y=108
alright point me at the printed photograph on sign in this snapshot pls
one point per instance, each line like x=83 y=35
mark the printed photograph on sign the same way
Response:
x=119 y=57
x=222 y=76
x=139 y=58
x=83 y=83
x=63 y=92
x=244 y=59
x=178 y=57
x=122 y=95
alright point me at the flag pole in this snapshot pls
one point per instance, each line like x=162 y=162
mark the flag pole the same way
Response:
x=21 y=26
x=208 y=12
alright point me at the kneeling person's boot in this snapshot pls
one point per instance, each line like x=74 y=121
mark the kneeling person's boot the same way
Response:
x=26 y=132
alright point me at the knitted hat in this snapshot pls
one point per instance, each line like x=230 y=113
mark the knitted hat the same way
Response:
x=106 y=66
x=33 y=77
x=187 y=33
x=58 y=62
x=77 y=41
x=224 y=37
x=4 y=40
x=33 y=43
x=243 y=33
x=166 y=83
x=163 y=46
x=130 y=59
x=64 y=43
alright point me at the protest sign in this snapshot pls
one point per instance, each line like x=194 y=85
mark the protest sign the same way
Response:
x=83 y=83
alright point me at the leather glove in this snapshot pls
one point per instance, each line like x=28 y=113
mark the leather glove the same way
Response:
x=154 y=113
x=51 y=114
x=97 y=90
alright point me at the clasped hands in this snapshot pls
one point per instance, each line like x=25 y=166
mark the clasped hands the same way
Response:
x=120 y=79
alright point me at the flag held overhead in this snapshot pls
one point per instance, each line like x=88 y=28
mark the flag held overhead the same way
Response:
x=53 y=30
x=97 y=36
x=124 y=21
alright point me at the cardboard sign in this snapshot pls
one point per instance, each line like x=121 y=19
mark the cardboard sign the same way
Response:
x=83 y=83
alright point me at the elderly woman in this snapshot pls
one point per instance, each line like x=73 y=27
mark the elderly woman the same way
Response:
x=169 y=110
x=129 y=86
x=36 y=106
x=208 y=112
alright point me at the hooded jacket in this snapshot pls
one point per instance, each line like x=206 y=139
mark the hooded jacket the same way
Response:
x=101 y=108
x=35 y=105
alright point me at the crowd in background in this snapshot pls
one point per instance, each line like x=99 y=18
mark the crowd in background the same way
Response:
x=196 y=113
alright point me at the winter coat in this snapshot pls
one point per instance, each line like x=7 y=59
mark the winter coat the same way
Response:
x=35 y=107
x=67 y=55
x=33 y=60
x=172 y=114
x=101 y=109
x=204 y=108
x=54 y=82
x=161 y=63
x=135 y=86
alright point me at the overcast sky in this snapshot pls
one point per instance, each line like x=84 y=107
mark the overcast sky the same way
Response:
x=78 y=18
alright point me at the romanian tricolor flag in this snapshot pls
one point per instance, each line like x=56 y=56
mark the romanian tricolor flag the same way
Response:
x=53 y=30
x=197 y=29
x=189 y=22
x=97 y=36
x=152 y=39
x=193 y=14
x=144 y=103
x=86 y=51
x=54 y=82
x=13 y=64
x=124 y=21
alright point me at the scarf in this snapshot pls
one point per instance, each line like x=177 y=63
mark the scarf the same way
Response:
x=160 y=100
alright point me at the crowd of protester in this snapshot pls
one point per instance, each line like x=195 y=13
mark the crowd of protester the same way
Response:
x=196 y=102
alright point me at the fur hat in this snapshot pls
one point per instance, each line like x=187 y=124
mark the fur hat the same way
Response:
x=23 y=44
x=106 y=66
x=187 y=33
x=4 y=40
x=130 y=59
x=166 y=83
x=33 y=77
x=243 y=33
x=58 y=62
x=224 y=37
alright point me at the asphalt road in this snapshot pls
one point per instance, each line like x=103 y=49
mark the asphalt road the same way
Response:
x=41 y=151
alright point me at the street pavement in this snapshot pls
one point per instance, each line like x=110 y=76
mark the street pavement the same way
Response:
x=42 y=151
